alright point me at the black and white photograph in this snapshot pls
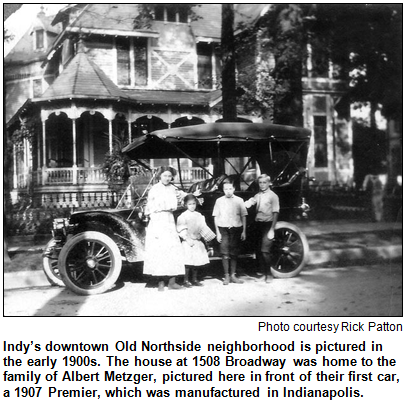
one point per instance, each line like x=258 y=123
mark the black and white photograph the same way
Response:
x=203 y=160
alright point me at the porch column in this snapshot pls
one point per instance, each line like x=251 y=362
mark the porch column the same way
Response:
x=213 y=67
x=111 y=136
x=132 y=62
x=15 y=182
x=44 y=154
x=38 y=154
x=74 y=166
x=26 y=163
x=129 y=126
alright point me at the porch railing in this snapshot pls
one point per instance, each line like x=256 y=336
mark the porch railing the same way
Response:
x=69 y=175
x=91 y=175
x=93 y=197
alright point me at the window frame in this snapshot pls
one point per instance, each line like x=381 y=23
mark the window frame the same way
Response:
x=36 y=33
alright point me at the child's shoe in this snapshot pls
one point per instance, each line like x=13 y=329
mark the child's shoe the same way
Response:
x=175 y=286
x=188 y=284
x=236 y=280
x=197 y=283
x=226 y=280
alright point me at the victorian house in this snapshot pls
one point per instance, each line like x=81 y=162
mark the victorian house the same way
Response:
x=98 y=78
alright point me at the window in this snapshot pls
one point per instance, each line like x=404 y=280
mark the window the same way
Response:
x=139 y=70
x=172 y=13
x=159 y=13
x=37 y=87
x=204 y=65
x=39 y=39
x=123 y=61
x=140 y=62
x=320 y=141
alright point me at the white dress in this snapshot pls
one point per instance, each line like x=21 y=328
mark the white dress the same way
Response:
x=190 y=224
x=163 y=249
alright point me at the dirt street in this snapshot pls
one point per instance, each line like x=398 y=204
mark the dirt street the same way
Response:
x=370 y=290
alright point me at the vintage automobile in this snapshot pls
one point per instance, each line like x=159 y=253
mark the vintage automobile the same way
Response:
x=88 y=249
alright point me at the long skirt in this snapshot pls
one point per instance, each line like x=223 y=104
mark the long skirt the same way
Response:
x=163 y=249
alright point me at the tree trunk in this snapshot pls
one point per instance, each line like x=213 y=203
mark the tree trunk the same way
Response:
x=228 y=59
x=289 y=51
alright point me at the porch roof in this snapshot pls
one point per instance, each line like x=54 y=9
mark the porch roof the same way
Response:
x=175 y=97
x=82 y=79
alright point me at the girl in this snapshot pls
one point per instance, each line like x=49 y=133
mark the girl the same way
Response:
x=163 y=250
x=192 y=229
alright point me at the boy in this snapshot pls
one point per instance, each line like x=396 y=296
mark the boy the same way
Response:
x=230 y=216
x=267 y=212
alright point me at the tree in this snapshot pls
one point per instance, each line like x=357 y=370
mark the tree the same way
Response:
x=10 y=8
x=276 y=44
x=228 y=61
x=364 y=40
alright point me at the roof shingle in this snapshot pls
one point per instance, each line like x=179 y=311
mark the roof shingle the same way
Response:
x=83 y=79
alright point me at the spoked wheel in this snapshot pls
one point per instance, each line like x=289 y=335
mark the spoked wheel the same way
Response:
x=90 y=263
x=50 y=263
x=289 y=251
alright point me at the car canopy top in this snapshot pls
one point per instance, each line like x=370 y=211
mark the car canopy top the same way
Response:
x=232 y=139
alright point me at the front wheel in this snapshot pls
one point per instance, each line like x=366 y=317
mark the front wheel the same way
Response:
x=90 y=263
x=289 y=251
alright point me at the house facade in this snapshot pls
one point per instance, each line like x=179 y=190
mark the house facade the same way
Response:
x=103 y=79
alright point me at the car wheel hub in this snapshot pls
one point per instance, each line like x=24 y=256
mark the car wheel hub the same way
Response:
x=91 y=263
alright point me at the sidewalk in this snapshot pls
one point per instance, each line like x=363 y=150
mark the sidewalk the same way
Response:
x=343 y=242
x=336 y=242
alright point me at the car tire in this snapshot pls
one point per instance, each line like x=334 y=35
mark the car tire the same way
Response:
x=289 y=251
x=90 y=263
x=50 y=265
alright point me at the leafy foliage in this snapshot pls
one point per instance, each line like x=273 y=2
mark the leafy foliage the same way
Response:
x=28 y=130
x=273 y=83
x=361 y=41
x=365 y=40
x=118 y=167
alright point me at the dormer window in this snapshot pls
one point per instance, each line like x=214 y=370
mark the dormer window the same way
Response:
x=39 y=39
x=169 y=13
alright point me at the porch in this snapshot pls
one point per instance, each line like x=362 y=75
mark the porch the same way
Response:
x=86 y=187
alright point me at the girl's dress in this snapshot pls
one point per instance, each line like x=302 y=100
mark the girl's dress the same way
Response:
x=163 y=249
x=193 y=225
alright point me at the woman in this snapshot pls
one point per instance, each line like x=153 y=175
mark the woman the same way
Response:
x=163 y=249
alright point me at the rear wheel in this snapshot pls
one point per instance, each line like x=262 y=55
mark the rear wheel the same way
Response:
x=289 y=251
x=90 y=263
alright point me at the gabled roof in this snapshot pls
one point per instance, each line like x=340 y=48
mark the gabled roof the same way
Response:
x=82 y=79
x=114 y=17
x=103 y=16
x=23 y=51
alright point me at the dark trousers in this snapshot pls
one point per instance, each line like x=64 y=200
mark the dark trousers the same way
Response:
x=230 y=241
x=263 y=246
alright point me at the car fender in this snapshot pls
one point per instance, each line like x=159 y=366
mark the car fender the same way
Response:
x=129 y=235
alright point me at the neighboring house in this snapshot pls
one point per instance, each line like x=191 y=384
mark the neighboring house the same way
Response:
x=326 y=111
x=102 y=77
x=24 y=74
